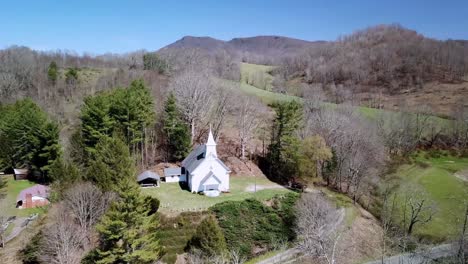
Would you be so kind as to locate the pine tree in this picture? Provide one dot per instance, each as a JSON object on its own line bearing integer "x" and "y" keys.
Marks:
{"x": 110, "y": 164}
{"x": 209, "y": 238}
{"x": 28, "y": 138}
{"x": 52, "y": 73}
{"x": 127, "y": 234}
{"x": 284, "y": 152}
{"x": 176, "y": 131}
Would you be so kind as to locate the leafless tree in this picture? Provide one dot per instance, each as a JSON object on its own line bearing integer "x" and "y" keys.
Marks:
{"x": 87, "y": 203}
{"x": 416, "y": 208}
{"x": 194, "y": 92}
{"x": 248, "y": 116}
{"x": 3, "y": 228}
{"x": 63, "y": 240}
{"x": 318, "y": 227}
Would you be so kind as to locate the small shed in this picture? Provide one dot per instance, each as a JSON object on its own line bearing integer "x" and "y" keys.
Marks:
{"x": 20, "y": 174}
{"x": 148, "y": 179}
{"x": 173, "y": 175}
{"x": 35, "y": 196}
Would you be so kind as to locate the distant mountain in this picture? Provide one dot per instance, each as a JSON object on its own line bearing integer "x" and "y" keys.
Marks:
{"x": 260, "y": 46}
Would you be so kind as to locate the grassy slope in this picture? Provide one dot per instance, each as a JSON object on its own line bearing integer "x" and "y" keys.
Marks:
{"x": 8, "y": 205}
{"x": 257, "y": 75}
{"x": 173, "y": 198}
{"x": 436, "y": 176}
{"x": 268, "y": 97}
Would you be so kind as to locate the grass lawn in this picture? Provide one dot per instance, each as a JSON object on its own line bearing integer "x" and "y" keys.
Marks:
{"x": 173, "y": 198}
{"x": 8, "y": 204}
{"x": 436, "y": 176}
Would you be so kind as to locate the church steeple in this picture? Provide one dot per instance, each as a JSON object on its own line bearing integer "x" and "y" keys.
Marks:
{"x": 210, "y": 145}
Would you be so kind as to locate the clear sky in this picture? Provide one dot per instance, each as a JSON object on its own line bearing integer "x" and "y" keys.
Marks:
{"x": 99, "y": 26}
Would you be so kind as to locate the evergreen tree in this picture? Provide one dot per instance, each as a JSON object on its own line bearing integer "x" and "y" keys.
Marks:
{"x": 176, "y": 131}
{"x": 71, "y": 76}
{"x": 284, "y": 152}
{"x": 209, "y": 238}
{"x": 110, "y": 164}
{"x": 28, "y": 138}
{"x": 52, "y": 73}
{"x": 127, "y": 111}
{"x": 127, "y": 234}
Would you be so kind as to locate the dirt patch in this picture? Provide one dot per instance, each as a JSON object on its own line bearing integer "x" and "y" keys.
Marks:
{"x": 362, "y": 240}
{"x": 242, "y": 168}
{"x": 462, "y": 175}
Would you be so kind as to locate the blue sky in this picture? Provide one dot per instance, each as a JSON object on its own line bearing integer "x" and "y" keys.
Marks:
{"x": 122, "y": 26}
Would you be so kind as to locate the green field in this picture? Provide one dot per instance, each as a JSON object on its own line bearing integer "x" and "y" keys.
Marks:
{"x": 436, "y": 175}
{"x": 8, "y": 204}
{"x": 257, "y": 75}
{"x": 175, "y": 199}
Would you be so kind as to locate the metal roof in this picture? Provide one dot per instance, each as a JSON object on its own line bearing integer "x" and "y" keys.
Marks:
{"x": 172, "y": 172}
{"x": 36, "y": 190}
{"x": 194, "y": 159}
{"x": 147, "y": 175}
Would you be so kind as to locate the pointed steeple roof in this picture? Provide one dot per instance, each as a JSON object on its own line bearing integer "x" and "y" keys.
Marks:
{"x": 211, "y": 141}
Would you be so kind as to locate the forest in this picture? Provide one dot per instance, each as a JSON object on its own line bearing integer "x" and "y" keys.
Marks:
{"x": 86, "y": 125}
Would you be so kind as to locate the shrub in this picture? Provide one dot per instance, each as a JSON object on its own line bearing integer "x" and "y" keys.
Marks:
{"x": 261, "y": 226}
{"x": 209, "y": 238}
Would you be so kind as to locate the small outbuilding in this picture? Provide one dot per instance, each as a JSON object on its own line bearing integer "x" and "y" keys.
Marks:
{"x": 173, "y": 175}
{"x": 35, "y": 196}
{"x": 20, "y": 174}
{"x": 148, "y": 179}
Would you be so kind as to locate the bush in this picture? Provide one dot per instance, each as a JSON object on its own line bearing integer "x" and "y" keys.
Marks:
{"x": 261, "y": 226}
{"x": 153, "y": 204}
{"x": 31, "y": 252}
{"x": 209, "y": 238}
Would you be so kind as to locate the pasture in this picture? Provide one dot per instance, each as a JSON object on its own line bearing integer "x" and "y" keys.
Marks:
{"x": 439, "y": 176}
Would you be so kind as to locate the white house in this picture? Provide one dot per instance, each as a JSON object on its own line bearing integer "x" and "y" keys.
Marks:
{"x": 203, "y": 170}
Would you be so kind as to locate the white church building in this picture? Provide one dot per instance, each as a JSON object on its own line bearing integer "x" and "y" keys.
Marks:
{"x": 203, "y": 170}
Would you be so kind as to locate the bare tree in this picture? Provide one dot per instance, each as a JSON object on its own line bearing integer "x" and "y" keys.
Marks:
{"x": 194, "y": 92}
{"x": 416, "y": 208}
{"x": 63, "y": 240}
{"x": 87, "y": 203}
{"x": 3, "y": 228}
{"x": 318, "y": 227}
{"x": 249, "y": 112}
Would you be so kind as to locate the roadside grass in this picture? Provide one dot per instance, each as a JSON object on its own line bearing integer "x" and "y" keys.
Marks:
{"x": 436, "y": 176}
{"x": 262, "y": 257}
{"x": 8, "y": 204}
{"x": 174, "y": 199}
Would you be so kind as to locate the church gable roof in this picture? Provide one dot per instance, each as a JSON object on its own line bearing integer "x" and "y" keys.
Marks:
{"x": 195, "y": 158}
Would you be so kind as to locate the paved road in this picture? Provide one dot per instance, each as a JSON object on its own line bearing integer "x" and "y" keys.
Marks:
{"x": 422, "y": 257}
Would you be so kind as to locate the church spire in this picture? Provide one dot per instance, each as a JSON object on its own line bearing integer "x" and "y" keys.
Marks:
{"x": 211, "y": 141}
{"x": 211, "y": 145}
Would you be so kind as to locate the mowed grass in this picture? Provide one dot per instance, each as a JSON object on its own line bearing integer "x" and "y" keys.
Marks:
{"x": 8, "y": 204}
{"x": 436, "y": 176}
{"x": 174, "y": 199}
